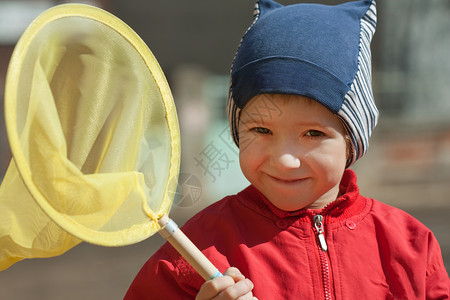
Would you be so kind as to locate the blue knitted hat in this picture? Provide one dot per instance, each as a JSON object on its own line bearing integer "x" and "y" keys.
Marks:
{"x": 317, "y": 51}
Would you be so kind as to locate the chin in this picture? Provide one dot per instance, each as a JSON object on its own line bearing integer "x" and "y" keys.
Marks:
{"x": 287, "y": 204}
{"x": 290, "y": 208}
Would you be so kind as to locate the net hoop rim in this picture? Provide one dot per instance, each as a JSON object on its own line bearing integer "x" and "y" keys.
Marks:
{"x": 130, "y": 235}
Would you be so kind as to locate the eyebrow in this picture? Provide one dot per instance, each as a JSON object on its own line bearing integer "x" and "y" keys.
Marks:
{"x": 313, "y": 124}
{"x": 262, "y": 122}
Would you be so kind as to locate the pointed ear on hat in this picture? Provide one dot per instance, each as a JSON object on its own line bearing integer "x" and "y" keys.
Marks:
{"x": 369, "y": 20}
{"x": 264, "y": 6}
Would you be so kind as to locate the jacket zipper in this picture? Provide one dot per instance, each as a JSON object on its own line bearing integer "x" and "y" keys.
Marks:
{"x": 323, "y": 257}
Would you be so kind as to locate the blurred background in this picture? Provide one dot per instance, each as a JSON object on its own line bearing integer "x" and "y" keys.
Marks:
{"x": 407, "y": 166}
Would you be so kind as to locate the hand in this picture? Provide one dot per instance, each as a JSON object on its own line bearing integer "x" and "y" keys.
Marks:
{"x": 232, "y": 285}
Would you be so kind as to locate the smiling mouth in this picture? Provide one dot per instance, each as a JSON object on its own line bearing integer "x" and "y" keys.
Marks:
{"x": 287, "y": 180}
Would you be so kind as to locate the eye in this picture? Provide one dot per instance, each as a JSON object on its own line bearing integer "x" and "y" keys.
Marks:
{"x": 261, "y": 130}
{"x": 314, "y": 133}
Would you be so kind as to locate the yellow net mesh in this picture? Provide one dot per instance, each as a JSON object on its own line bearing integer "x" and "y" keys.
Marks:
{"x": 94, "y": 136}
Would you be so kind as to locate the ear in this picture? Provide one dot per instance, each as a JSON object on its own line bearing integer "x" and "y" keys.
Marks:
{"x": 264, "y": 6}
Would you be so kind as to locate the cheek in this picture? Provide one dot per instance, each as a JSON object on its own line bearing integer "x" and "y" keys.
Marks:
{"x": 340, "y": 156}
{"x": 251, "y": 157}
{"x": 246, "y": 161}
{"x": 330, "y": 158}
{"x": 246, "y": 165}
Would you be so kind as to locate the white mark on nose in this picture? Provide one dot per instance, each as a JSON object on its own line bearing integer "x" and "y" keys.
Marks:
{"x": 289, "y": 161}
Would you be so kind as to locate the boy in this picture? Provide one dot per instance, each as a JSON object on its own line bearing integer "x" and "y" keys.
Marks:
{"x": 301, "y": 111}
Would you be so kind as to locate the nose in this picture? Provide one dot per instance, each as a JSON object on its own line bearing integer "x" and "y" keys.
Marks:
{"x": 285, "y": 155}
{"x": 289, "y": 161}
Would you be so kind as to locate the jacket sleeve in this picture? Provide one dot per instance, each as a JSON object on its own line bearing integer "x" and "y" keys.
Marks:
{"x": 437, "y": 280}
{"x": 166, "y": 275}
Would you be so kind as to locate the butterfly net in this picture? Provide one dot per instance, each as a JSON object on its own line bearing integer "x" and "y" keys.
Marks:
{"x": 94, "y": 136}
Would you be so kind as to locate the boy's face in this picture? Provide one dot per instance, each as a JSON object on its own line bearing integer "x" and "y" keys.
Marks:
{"x": 296, "y": 151}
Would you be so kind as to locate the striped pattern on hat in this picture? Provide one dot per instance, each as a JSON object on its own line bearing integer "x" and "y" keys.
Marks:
{"x": 359, "y": 112}
{"x": 351, "y": 100}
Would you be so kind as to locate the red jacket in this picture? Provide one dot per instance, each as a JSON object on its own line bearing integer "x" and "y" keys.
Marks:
{"x": 374, "y": 251}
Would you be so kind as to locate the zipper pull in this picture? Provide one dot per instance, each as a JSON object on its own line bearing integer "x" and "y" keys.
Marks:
{"x": 318, "y": 219}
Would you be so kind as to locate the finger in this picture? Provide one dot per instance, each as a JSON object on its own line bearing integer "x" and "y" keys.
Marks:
{"x": 248, "y": 296}
{"x": 240, "y": 289}
{"x": 214, "y": 287}
{"x": 235, "y": 274}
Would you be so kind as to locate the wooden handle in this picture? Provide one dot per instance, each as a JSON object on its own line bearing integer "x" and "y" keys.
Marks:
{"x": 187, "y": 249}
